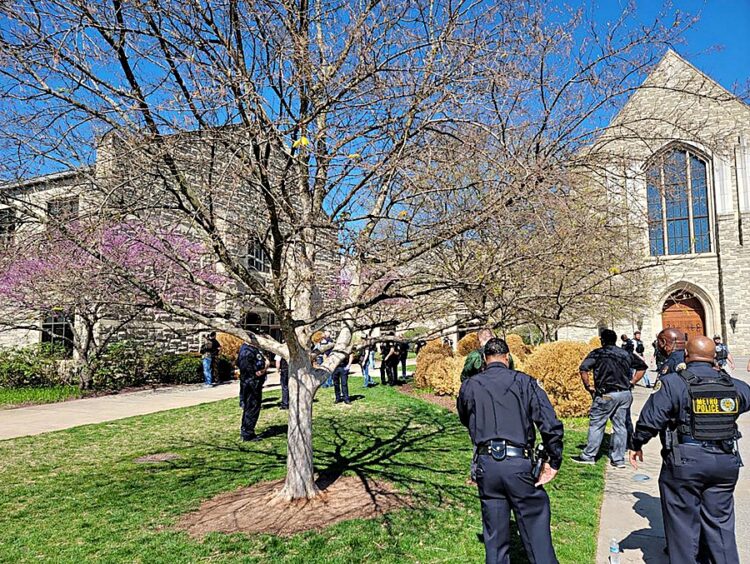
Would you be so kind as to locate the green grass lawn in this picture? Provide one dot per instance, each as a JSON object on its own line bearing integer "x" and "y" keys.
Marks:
{"x": 78, "y": 495}
{"x": 13, "y": 397}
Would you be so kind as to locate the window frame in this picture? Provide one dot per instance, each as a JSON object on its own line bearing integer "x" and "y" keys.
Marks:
{"x": 58, "y": 328}
{"x": 8, "y": 226}
{"x": 255, "y": 257}
{"x": 61, "y": 208}
{"x": 658, "y": 162}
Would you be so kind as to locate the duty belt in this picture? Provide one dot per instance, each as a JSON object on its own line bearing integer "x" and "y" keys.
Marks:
{"x": 510, "y": 450}
{"x": 688, "y": 440}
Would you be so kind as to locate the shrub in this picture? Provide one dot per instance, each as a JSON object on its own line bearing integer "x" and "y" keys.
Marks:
{"x": 33, "y": 366}
{"x": 595, "y": 342}
{"x": 468, "y": 344}
{"x": 230, "y": 345}
{"x": 436, "y": 346}
{"x": 123, "y": 364}
{"x": 555, "y": 365}
{"x": 441, "y": 374}
{"x": 518, "y": 348}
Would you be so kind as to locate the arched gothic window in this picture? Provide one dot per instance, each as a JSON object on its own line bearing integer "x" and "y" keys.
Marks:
{"x": 677, "y": 192}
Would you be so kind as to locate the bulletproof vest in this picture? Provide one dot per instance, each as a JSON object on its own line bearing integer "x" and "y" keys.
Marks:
{"x": 714, "y": 407}
{"x": 722, "y": 353}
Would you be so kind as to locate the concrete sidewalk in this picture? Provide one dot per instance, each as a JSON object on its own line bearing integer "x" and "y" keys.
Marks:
{"x": 38, "y": 419}
{"x": 631, "y": 511}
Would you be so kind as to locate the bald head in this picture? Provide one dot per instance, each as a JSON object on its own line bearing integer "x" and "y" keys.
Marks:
{"x": 670, "y": 340}
{"x": 484, "y": 335}
{"x": 700, "y": 349}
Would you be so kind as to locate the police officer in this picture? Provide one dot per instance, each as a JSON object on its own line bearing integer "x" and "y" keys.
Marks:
{"x": 611, "y": 397}
{"x": 671, "y": 343}
{"x": 501, "y": 408}
{"x": 695, "y": 412}
{"x": 627, "y": 343}
{"x": 723, "y": 356}
{"x": 253, "y": 365}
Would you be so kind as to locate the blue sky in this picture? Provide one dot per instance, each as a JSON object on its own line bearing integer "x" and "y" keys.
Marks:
{"x": 719, "y": 44}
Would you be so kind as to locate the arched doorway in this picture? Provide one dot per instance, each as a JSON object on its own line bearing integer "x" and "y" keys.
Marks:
{"x": 683, "y": 311}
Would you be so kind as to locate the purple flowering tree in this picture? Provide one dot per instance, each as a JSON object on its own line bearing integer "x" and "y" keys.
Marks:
{"x": 105, "y": 279}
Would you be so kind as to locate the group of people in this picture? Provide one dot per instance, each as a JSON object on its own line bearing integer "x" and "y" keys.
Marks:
{"x": 694, "y": 408}
{"x": 253, "y": 367}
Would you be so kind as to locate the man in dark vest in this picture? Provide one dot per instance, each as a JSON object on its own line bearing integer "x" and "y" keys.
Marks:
{"x": 694, "y": 411}
{"x": 253, "y": 365}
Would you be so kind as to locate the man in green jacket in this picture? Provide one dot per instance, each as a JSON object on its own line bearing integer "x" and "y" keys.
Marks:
{"x": 474, "y": 362}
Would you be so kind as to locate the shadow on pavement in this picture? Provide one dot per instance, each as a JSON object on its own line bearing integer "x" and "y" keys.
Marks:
{"x": 649, "y": 541}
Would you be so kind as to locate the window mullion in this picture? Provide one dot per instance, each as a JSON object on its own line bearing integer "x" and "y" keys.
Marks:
{"x": 689, "y": 189}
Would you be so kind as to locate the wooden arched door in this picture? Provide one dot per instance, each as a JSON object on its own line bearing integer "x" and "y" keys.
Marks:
{"x": 683, "y": 311}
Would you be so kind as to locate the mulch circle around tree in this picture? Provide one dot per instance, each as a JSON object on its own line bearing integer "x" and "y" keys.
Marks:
{"x": 158, "y": 457}
{"x": 258, "y": 509}
{"x": 448, "y": 402}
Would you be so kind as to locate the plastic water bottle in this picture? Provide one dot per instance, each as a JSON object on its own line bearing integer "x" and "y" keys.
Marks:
{"x": 614, "y": 552}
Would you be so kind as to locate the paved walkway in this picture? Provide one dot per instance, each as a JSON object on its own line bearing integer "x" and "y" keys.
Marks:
{"x": 38, "y": 419}
{"x": 631, "y": 511}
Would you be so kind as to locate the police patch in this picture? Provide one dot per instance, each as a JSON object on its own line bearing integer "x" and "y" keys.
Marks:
{"x": 714, "y": 406}
{"x": 728, "y": 405}
{"x": 657, "y": 386}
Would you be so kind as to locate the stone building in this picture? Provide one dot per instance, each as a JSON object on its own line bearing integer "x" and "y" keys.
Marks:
{"x": 127, "y": 180}
{"x": 678, "y": 155}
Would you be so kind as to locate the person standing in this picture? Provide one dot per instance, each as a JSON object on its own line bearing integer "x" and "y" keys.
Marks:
{"x": 502, "y": 409}
{"x": 403, "y": 356}
{"x": 341, "y": 380}
{"x": 474, "y": 362}
{"x": 363, "y": 358}
{"x": 723, "y": 356}
{"x": 385, "y": 346}
{"x": 611, "y": 397}
{"x": 210, "y": 353}
{"x": 671, "y": 343}
{"x": 658, "y": 357}
{"x": 695, "y": 410}
{"x": 627, "y": 343}
{"x": 282, "y": 367}
{"x": 253, "y": 366}
{"x": 391, "y": 362}
{"x": 640, "y": 350}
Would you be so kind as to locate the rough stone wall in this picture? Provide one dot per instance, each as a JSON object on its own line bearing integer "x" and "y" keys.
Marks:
{"x": 678, "y": 103}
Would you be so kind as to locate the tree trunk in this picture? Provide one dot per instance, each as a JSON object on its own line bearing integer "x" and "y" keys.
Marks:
{"x": 300, "y": 477}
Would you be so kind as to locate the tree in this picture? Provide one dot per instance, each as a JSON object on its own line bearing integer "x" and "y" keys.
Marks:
{"x": 325, "y": 137}
{"x": 51, "y": 274}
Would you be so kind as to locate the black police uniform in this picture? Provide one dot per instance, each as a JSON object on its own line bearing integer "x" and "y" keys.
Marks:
{"x": 698, "y": 476}
{"x": 672, "y": 362}
{"x": 385, "y": 346}
{"x": 250, "y": 360}
{"x": 501, "y": 408}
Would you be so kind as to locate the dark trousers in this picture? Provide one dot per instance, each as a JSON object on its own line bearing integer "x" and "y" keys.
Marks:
{"x": 504, "y": 486}
{"x": 341, "y": 384}
{"x": 392, "y": 372}
{"x": 284, "y": 379}
{"x": 403, "y": 367}
{"x": 252, "y": 395}
{"x": 697, "y": 500}
{"x": 383, "y": 365}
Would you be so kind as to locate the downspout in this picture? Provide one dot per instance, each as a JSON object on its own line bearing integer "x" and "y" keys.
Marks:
{"x": 719, "y": 270}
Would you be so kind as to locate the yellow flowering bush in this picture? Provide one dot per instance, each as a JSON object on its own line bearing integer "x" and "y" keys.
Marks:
{"x": 555, "y": 365}
{"x": 595, "y": 342}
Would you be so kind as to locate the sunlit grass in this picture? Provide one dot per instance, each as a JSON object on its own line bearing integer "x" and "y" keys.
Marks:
{"x": 78, "y": 495}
